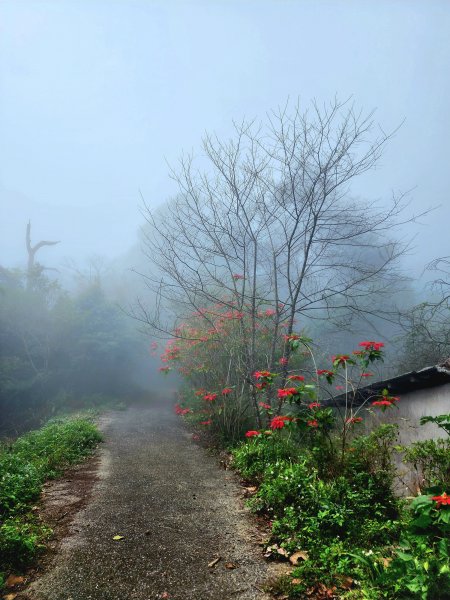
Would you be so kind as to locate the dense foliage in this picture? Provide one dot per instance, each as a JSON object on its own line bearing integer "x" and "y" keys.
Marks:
{"x": 24, "y": 467}
{"x": 60, "y": 351}
{"x": 323, "y": 479}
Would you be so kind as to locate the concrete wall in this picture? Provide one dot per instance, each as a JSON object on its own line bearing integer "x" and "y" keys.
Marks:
{"x": 411, "y": 407}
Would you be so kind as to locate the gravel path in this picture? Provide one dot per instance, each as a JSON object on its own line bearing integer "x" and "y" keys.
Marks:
{"x": 176, "y": 511}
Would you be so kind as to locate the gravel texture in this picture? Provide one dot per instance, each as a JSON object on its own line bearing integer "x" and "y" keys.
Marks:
{"x": 176, "y": 510}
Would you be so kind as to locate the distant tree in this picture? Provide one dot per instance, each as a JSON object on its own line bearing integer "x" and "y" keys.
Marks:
{"x": 34, "y": 269}
{"x": 427, "y": 325}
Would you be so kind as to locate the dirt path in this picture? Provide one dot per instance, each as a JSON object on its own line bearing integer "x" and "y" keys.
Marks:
{"x": 176, "y": 511}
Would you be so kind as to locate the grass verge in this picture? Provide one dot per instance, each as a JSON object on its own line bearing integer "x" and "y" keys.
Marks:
{"x": 25, "y": 465}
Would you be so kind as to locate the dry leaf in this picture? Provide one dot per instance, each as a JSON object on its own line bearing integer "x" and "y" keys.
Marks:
{"x": 296, "y": 581}
{"x": 345, "y": 582}
{"x": 9, "y": 596}
{"x": 294, "y": 558}
{"x": 14, "y": 580}
{"x": 230, "y": 565}
{"x": 214, "y": 562}
{"x": 118, "y": 537}
{"x": 165, "y": 595}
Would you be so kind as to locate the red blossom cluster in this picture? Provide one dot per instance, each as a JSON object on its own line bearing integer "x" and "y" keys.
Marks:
{"x": 181, "y": 411}
{"x": 443, "y": 500}
{"x": 353, "y": 420}
{"x": 208, "y": 422}
{"x": 313, "y": 423}
{"x": 279, "y": 422}
{"x": 340, "y": 359}
{"x": 296, "y": 378}
{"x": 313, "y": 405}
{"x": 283, "y": 361}
{"x": 210, "y": 397}
{"x": 252, "y": 433}
{"x": 264, "y": 405}
{"x": 262, "y": 374}
{"x": 371, "y": 346}
{"x": 287, "y": 392}
{"x": 227, "y": 391}
{"x": 386, "y": 401}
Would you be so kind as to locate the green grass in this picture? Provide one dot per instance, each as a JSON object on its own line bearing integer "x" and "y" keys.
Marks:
{"x": 25, "y": 465}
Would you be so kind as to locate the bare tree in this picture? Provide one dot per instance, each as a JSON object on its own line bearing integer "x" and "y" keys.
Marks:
{"x": 269, "y": 222}
{"x": 427, "y": 325}
{"x": 33, "y": 268}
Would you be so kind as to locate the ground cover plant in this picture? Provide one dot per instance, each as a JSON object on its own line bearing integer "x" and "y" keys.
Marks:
{"x": 24, "y": 467}
{"x": 324, "y": 480}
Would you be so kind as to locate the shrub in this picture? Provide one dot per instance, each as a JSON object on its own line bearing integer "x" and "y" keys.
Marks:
{"x": 252, "y": 458}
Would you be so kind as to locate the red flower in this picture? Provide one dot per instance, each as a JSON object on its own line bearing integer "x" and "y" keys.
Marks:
{"x": 262, "y": 374}
{"x": 287, "y": 392}
{"x": 313, "y": 423}
{"x": 269, "y": 312}
{"x": 260, "y": 386}
{"x": 291, "y": 337}
{"x": 339, "y": 387}
{"x": 296, "y": 378}
{"x": 252, "y": 433}
{"x": 381, "y": 403}
{"x": 314, "y": 405}
{"x": 200, "y": 392}
{"x": 352, "y": 420}
{"x": 366, "y": 374}
{"x": 210, "y": 397}
{"x": 227, "y": 391}
{"x": 237, "y": 276}
{"x": 283, "y": 361}
{"x": 443, "y": 500}
{"x": 279, "y": 422}
{"x": 371, "y": 346}
{"x": 208, "y": 422}
{"x": 325, "y": 372}
{"x": 340, "y": 359}
{"x": 264, "y": 405}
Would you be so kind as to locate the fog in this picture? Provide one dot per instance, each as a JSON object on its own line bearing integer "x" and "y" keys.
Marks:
{"x": 98, "y": 99}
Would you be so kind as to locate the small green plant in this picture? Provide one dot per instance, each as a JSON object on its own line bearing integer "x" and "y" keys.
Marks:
{"x": 24, "y": 467}
{"x": 252, "y": 458}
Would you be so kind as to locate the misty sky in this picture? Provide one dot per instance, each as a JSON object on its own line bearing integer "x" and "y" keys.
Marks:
{"x": 96, "y": 96}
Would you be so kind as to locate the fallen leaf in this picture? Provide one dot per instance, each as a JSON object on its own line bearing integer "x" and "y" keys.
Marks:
{"x": 9, "y": 596}
{"x": 296, "y": 581}
{"x": 14, "y": 580}
{"x": 118, "y": 537}
{"x": 214, "y": 562}
{"x": 294, "y": 558}
{"x": 230, "y": 565}
{"x": 165, "y": 595}
{"x": 345, "y": 582}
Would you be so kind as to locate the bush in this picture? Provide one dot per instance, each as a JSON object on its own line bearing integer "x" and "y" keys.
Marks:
{"x": 252, "y": 458}
{"x": 431, "y": 460}
{"x": 24, "y": 467}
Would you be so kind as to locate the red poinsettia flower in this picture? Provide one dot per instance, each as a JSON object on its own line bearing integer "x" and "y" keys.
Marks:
{"x": 340, "y": 359}
{"x": 314, "y": 405}
{"x": 291, "y": 337}
{"x": 269, "y": 312}
{"x": 283, "y": 361}
{"x": 252, "y": 433}
{"x": 381, "y": 403}
{"x": 210, "y": 397}
{"x": 371, "y": 345}
{"x": 279, "y": 422}
{"x": 260, "y": 386}
{"x": 262, "y": 374}
{"x": 287, "y": 392}
{"x": 313, "y": 423}
{"x": 442, "y": 500}
{"x": 237, "y": 276}
{"x": 264, "y": 405}
{"x": 208, "y": 422}
{"x": 352, "y": 420}
{"x": 227, "y": 391}
{"x": 296, "y": 378}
